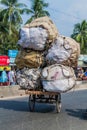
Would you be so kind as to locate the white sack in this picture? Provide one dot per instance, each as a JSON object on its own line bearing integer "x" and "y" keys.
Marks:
{"x": 63, "y": 49}
{"x": 34, "y": 38}
{"x": 24, "y": 35}
{"x": 28, "y": 78}
{"x": 46, "y": 23}
{"x": 58, "y": 78}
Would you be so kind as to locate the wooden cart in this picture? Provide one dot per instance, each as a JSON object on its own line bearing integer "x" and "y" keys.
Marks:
{"x": 43, "y": 97}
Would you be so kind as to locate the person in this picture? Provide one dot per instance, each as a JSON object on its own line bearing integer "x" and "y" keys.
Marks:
{"x": 11, "y": 76}
{"x": 85, "y": 75}
{"x": 4, "y": 77}
{"x": 80, "y": 73}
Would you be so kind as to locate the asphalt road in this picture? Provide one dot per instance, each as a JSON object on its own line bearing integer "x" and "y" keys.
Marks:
{"x": 14, "y": 114}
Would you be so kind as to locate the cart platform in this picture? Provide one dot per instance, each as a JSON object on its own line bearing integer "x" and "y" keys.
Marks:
{"x": 43, "y": 97}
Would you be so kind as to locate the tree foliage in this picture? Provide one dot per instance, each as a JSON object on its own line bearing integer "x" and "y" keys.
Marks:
{"x": 7, "y": 41}
{"x": 10, "y": 23}
{"x": 12, "y": 12}
{"x": 38, "y": 9}
{"x": 80, "y": 35}
{"x": 11, "y": 20}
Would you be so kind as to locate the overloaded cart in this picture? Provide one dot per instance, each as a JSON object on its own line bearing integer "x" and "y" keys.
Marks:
{"x": 46, "y": 85}
{"x": 46, "y": 59}
{"x": 43, "y": 97}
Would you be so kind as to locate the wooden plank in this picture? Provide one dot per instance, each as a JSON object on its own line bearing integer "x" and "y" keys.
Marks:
{"x": 41, "y": 92}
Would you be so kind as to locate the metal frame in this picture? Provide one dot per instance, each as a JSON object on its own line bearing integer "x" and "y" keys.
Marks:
{"x": 43, "y": 97}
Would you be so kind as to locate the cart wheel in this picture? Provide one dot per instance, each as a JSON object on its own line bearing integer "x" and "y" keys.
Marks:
{"x": 58, "y": 103}
{"x": 31, "y": 102}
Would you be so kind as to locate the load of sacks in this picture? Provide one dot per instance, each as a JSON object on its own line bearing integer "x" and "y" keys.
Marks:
{"x": 46, "y": 59}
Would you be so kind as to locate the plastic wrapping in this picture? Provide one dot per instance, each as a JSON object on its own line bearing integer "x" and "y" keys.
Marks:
{"x": 63, "y": 51}
{"x": 33, "y": 38}
{"x": 58, "y": 78}
{"x": 28, "y": 78}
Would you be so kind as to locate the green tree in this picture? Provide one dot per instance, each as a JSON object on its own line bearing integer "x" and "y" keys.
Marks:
{"x": 10, "y": 22}
{"x": 38, "y": 9}
{"x": 7, "y": 41}
{"x": 80, "y": 35}
{"x": 12, "y": 12}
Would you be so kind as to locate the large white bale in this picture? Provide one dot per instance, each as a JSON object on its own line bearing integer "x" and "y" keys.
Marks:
{"x": 28, "y": 78}
{"x": 47, "y": 24}
{"x": 58, "y": 78}
{"x": 38, "y": 34}
{"x": 64, "y": 51}
{"x": 33, "y": 38}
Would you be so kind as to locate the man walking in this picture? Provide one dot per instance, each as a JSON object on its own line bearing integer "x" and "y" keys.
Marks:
{"x": 11, "y": 77}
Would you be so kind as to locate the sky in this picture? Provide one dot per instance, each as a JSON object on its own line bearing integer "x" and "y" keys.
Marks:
{"x": 64, "y": 13}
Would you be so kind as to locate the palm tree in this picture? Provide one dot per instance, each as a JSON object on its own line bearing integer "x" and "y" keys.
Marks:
{"x": 7, "y": 41}
{"x": 12, "y": 12}
{"x": 80, "y": 35}
{"x": 10, "y": 22}
{"x": 38, "y": 9}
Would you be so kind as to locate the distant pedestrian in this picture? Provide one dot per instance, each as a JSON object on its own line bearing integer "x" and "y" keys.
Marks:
{"x": 80, "y": 73}
{"x": 85, "y": 75}
{"x": 11, "y": 76}
{"x": 4, "y": 77}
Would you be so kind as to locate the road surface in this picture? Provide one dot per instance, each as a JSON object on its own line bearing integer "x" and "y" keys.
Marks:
{"x": 14, "y": 114}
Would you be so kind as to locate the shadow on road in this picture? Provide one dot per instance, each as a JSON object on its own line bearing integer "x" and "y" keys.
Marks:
{"x": 14, "y": 105}
{"x": 23, "y": 106}
{"x": 79, "y": 113}
{"x": 44, "y": 108}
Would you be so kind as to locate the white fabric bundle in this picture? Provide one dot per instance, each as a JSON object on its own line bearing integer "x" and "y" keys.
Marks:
{"x": 28, "y": 78}
{"x": 42, "y": 46}
{"x": 58, "y": 78}
{"x": 46, "y": 23}
{"x": 64, "y": 49}
{"x": 33, "y": 38}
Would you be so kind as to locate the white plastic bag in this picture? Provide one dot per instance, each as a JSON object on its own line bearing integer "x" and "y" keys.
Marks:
{"x": 58, "y": 78}
{"x": 33, "y": 38}
{"x": 28, "y": 78}
{"x": 63, "y": 51}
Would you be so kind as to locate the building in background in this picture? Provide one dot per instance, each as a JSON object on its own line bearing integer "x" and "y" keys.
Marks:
{"x": 82, "y": 61}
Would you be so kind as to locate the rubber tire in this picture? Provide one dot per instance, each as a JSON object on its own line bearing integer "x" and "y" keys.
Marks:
{"x": 31, "y": 103}
{"x": 58, "y": 103}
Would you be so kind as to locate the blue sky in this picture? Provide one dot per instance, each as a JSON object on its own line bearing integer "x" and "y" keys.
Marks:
{"x": 65, "y": 13}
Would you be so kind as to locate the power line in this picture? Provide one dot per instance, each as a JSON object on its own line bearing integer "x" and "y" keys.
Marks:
{"x": 62, "y": 12}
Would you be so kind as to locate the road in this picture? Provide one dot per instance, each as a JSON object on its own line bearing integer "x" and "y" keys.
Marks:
{"x": 14, "y": 114}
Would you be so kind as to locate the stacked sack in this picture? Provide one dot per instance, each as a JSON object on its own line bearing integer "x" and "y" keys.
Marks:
{"x": 64, "y": 51}
{"x": 46, "y": 58}
{"x": 61, "y": 58}
{"x": 58, "y": 78}
{"x": 35, "y": 38}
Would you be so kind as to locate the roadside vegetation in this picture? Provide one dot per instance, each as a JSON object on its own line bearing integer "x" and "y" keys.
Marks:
{"x": 11, "y": 22}
{"x": 80, "y": 35}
